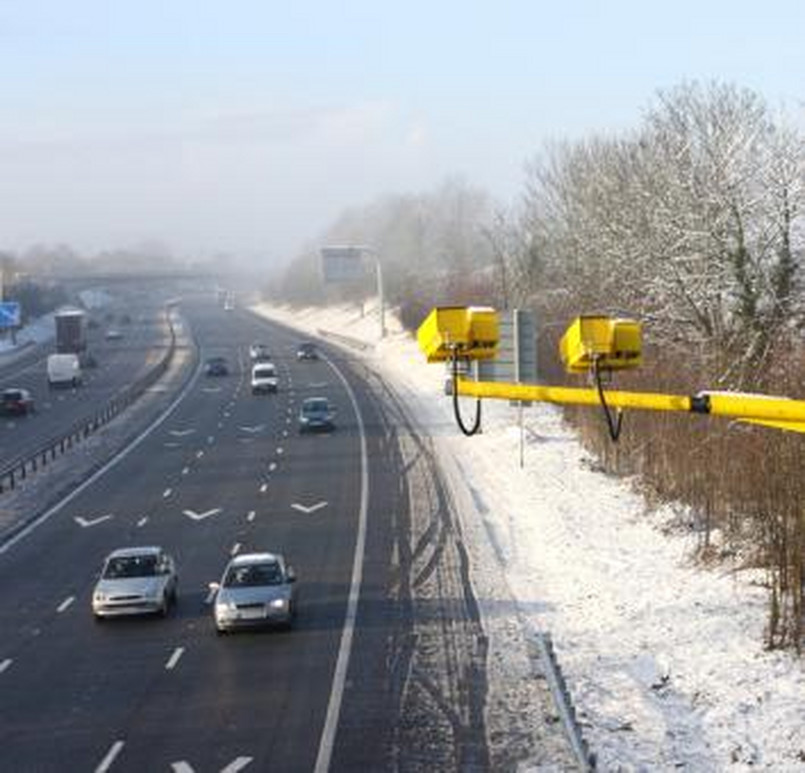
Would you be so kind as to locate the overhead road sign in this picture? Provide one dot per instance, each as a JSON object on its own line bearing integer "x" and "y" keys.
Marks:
{"x": 342, "y": 264}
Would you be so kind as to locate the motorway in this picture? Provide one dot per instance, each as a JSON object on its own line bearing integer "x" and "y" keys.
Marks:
{"x": 227, "y": 472}
{"x": 119, "y": 363}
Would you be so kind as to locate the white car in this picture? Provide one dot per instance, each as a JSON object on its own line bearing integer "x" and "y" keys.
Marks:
{"x": 257, "y": 589}
{"x": 135, "y": 581}
{"x": 264, "y": 378}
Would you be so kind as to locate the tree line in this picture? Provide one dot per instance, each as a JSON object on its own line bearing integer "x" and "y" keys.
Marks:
{"x": 692, "y": 222}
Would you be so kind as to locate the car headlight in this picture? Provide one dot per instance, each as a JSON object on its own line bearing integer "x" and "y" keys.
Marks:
{"x": 224, "y": 608}
{"x": 99, "y": 597}
{"x": 279, "y": 603}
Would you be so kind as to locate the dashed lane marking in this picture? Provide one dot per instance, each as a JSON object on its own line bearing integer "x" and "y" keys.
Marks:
{"x": 251, "y": 515}
{"x": 142, "y": 521}
{"x": 166, "y": 493}
{"x": 110, "y": 757}
{"x": 174, "y": 659}
{"x": 65, "y": 604}
{"x": 5, "y": 665}
{"x": 264, "y": 488}
{"x": 235, "y": 549}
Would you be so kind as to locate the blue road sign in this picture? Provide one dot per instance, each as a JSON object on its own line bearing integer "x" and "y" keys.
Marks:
{"x": 10, "y": 314}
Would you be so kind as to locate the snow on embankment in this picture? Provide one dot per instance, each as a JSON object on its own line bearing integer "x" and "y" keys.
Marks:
{"x": 664, "y": 660}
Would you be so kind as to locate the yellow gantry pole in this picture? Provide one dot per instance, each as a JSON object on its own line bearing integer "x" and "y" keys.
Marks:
{"x": 778, "y": 412}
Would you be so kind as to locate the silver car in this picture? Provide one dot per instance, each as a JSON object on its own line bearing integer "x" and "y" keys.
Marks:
{"x": 257, "y": 589}
{"x": 135, "y": 581}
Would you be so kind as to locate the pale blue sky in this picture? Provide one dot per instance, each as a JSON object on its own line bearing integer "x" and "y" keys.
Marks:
{"x": 247, "y": 126}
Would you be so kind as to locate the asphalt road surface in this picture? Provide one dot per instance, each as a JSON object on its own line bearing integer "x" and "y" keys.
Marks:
{"x": 360, "y": 683}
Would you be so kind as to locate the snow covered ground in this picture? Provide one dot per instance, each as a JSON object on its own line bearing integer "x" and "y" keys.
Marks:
{"x": 664, "y": 660}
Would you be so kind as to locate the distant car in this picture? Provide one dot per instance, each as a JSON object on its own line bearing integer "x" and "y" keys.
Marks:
{"x": 259, "y": 352}
{"x": 257, "y": 589}
{"x": 307, "y": 351}
{"x": 135, "y": 581}
{"x": 113, "y": 334}
{"x": 216, "y": 366}
{"x": 316, "y": 415}
{"x": 264, "y": 378}
{"x": 16, "y": 402}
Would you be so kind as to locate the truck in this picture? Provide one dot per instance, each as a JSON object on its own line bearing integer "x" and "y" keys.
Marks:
{"x": 71, "y": 331}
{"x": 64, "y": 370}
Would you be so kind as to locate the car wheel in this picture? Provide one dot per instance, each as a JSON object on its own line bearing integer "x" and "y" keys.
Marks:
{"x": 164, "y": 606}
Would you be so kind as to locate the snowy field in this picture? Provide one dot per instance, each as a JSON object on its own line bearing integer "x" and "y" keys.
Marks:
{"x": 664, "y": 660}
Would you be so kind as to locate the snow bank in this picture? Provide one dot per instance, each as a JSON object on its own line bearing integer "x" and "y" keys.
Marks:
{"x": 664, "y": 659}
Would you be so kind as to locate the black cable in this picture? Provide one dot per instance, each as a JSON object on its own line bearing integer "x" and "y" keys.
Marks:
{"x": 456, "y": 408}
{"x": 614, "y": 424}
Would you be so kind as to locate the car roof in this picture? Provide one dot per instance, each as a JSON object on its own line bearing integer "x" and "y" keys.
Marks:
{"x": 244, "y": 559}
{"x": 315, "y": 401}
{"x": 150, "y": 550}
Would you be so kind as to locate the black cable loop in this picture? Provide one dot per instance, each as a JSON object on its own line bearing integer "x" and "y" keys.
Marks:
{"x": 615, "y": 424}
{"x": 456, "y": 408}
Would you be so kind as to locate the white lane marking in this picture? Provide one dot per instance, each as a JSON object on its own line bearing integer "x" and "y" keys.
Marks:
{"x": 309, "y": 510}
{"x": 236, "y": 765}
{"x": 142, "y": 521}
{"x": 211, "y": 390}
{"x": 65, "y": 604}
{"x": 285, "y": 433}
{"x": 220, "y": 425}
{"x": 185, "y": 470}
{"x": 287, "y": 421}
{"x": 253, "y": 430}
{"x": 193, "y": 515}
{"x": 340, "y": 675}
{"x": 227, "y": 414}
{"x": 181, "y": 432}
{"x": 235, "y": 549}
{"x": 251, "y": 515}
{"x": 5, "y": 664}
{"x": 264, "y": 488}
{"x": 199, "y": 454}
{"x": 110, "y": 757}
{"x": 87, "y": 522}
{"x": 280, "y": 451}
{"x": 166, "y": 493}
{"x": 182, "y": 766}
{"x": 174, "y": 659}
{"x": 210, "y": 597}
{"x": 272, "y": 466}
{"x": 210, "y": 439}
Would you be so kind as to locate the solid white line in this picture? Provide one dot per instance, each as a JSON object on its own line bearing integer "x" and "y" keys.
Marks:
{"x": 250, "y": 516}
{"x": 107, "y": 761}
{"x": 235, "y": 549}
{"x": 142, "y": 521}
{"x": 174, "y": 659}
{"x": 166, "y": 493}
{"x": 340, "y": 676}
{"x": 5, "y": 664}
{"x": 23, "y": 533}
{"x": 65, "y": 604}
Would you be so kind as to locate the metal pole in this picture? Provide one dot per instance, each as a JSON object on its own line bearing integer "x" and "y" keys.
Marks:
{"x": 381, "y": 297}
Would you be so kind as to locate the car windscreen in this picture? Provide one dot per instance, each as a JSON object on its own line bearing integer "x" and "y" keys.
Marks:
{"x": 264, "y": 373}
{"x": 130, "y": 566}
{"x": 253, "y": 575}
{"x": 316, "y": 406}
{"x": 12, "y": 395}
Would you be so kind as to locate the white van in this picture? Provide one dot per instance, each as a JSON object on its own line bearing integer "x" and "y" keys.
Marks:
{"x": 264, "y": 378}
{"x": 64, "y": 370}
